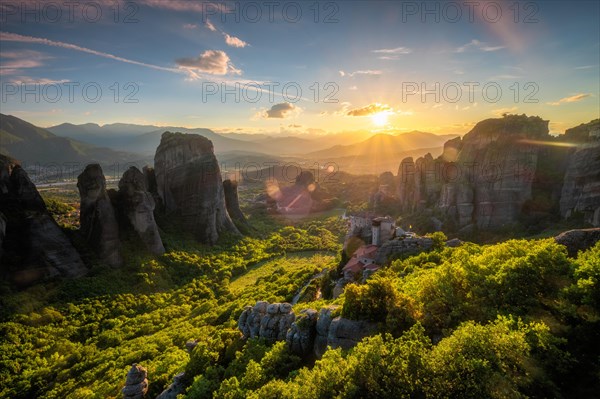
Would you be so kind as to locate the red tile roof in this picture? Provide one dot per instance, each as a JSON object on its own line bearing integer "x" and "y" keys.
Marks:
{"x": 366, "y": 251}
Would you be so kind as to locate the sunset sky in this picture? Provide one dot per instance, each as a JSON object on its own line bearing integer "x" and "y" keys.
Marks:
{"x": 372, "y": 57}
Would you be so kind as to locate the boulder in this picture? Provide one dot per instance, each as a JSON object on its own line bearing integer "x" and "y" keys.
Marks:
{"x": 189, "y": 184}
{"x": 98, "y": 220}
{"x": 454, "y": 242}
{"x": 136, "y": 384}
{"x": 34, "y": 246}
{"x": 578, "y": 240}
{"x": 137, "y": 206}
{"x": 176, "y": 388}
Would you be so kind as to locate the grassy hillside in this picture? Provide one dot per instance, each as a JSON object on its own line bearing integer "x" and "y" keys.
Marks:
{"x": 514, "y": 319}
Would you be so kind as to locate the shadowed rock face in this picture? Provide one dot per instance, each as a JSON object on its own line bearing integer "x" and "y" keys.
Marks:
{"x": 35, "y": 248}
{"x": 488, "y": 178}
{"x": 137, "y": 205}
{"x": 232, "y": 202}
{"x": 98, "y": 221}
{"x": 581, "y": 188}
{"x": 189, "y": 183}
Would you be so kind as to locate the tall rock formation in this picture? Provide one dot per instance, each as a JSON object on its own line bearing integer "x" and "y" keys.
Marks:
{"x": 189, "y": 183}
{"x": 34, "y": 246}
{"x": 136, "y": 385}
{"x": 136, "y": 205}
{"x": 233, "y": 204}
{"x": 581, "y": 187}
{"x": 98, "y": 221}
{"x": 503, "y": 171}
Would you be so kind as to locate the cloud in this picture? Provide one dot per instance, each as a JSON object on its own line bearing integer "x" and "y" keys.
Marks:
{"x": 11, "y": 62}
{"x": 210, "y": 26}
{"x": 214, "y": 62}
{"x": 353, "y": 88}
{"x": 369, "y": 110}
{"x": 280, "y": 111}
{"x": 572, "y": 99}
{"x": 234, "y": 41}
{"x": 500, "y": 111}
{"x": 26, "y": 80}
{"x": 586, "y": 67}
{"x": 477, "y": 45}
{"x": 364, "y": 72}
{"x": 397, "y": 50}
{"x": 190, "y": 26}
{"x": 14, "y": 37}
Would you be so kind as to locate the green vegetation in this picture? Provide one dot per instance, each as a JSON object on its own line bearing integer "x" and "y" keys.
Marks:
{"x": 509, "y": 320}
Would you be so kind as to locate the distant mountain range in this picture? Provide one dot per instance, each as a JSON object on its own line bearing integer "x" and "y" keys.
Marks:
{"x": 33, "y": 145}
{"x": 122, "y": 143}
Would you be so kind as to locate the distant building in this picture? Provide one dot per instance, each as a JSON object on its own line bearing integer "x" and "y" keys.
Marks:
{"x": 362, "y": 260}
{"x": 382, "y": 230}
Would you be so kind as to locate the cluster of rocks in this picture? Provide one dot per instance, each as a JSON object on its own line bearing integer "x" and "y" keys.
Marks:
{"x": 269, "y": 321}
{"x": 499, "y": 172}
{"x": 35, "y": 247}
{"x": 105, "y": 214}
{"x": 186, "y": 182}
{"x": 308, "y": 334}
{"x": 136, "y": 384}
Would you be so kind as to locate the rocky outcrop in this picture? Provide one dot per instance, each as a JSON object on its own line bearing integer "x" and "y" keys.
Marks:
{"x": 322, "y": 330}
{"x": 503, "y": 171}
{"x": 309, "y": 334}
{"x": 98, "y": 220}
{"x": 300, "y": 337}
{"x": 578, "y": 240}
{"x": 34, "y": 246}
{"x": 403, "y": 246}
{"x": 345, "y": 333}
{"x": 136, "y": 384}
{"x": 136, "y": 204}
{"x": 177, "y": 387}
{"x": 268, "y": 321}
{"x": 189, "y": 183}
{"x": 230, "y": 188}
{"x": 581, "y": 187}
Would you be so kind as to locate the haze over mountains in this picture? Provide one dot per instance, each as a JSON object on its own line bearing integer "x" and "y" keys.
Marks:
{"x": 354, "y": 152}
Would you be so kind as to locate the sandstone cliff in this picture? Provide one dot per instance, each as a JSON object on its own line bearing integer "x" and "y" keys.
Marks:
{"x": 581, "y": 188}
{"x": 189, "y": 184}
{"x": 506, "y": 170}
{"x": 34, "y": 246}
{"x": 233, "y": 204}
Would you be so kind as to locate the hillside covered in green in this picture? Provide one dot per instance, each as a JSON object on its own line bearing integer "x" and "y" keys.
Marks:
{"x": 509, "y": 320}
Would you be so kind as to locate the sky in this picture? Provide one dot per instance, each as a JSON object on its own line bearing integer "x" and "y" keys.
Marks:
{"x": 300, "y": 68}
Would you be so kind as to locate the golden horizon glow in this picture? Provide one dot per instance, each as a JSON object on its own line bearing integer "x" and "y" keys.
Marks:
{"x": 380, "y": 119}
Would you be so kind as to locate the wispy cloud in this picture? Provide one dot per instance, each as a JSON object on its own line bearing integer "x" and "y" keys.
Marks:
{"x": 214, "y": 62}
{"x": 370, "y": 109}
{"x": 571, "y": 99}
{"x": 586, "y": 67}
{"x": 14, "y": 37}
{"x": 477, "y": 45}
{"x": 209, "y": 25}
{"x": 190, "y": 26}
{"x": 234, "y": 41}
{"x": 364, "y": 72}
{"x": 13, "y": 62}
{"x": 397, "y": 50}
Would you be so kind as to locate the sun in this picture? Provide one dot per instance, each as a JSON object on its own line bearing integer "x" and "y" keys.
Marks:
{"x": 380, "y": 118}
